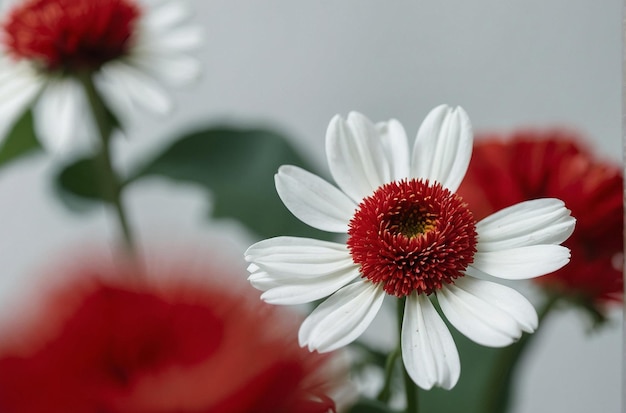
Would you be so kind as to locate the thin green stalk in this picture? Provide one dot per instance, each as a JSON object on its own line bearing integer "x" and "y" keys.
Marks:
{"x": 385, "y": 393}
{"x": 499, "y": 388}
{"x": 110, "y": 184}
{"x": 410, "y": 389}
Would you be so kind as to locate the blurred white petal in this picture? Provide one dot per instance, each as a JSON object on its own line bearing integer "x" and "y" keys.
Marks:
{"x": 140, "y": 88}
{"x": 19, "y": 86}
{"x": 63, "y": 120}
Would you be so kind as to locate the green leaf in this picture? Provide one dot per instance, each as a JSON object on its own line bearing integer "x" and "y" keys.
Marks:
{"x": 237, "y": 167}
{"x": 370, "y": 406}
{"x": 81, "y": 179}
{"x": 20, "y": 141}
{"x": 80, "y": 184}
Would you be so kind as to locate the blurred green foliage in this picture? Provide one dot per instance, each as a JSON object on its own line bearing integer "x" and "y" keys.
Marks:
{"x": 20, "y": 140}
{"x": 235, "y": 166}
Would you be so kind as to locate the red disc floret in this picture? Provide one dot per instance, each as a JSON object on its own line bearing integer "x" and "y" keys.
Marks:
{"x": 411, "y": 235}
{"x": 70, "y": 35}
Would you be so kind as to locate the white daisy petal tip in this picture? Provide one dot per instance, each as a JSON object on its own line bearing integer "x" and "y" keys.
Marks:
{"x": 357, "y": 158}
{"x": 300, "y": 290}
{"x": 257, "y": 285}
{"x": 268, "y": 298}
{"x": 305, "y": 341}
{"x": 396, "y": 148}
{"x": 444, "y": 111}
{"x": 522, "y": 262}
{"x": 283, "y": 170}
{"x": 523, "y": 225}
{"x": 302, "y": 341}
{"x": 443, "y": 147}
{"x": 336, "y": 122}
{"x": 531, "y": 324}
{"x": 355, "y": 118}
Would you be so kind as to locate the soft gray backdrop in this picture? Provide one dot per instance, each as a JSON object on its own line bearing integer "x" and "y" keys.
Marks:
{"x": 294, "y": 64}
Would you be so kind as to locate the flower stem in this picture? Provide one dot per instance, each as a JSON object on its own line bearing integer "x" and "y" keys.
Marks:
{"x": 410, "y": 389}
{"x": 499, "y": 387}
{"x": 110, "y": 184}
{"x": 385, "y": 393}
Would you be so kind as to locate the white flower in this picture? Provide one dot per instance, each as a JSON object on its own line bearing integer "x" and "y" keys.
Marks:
{"x": 410, "y": 236}
{"x": 130, "y": 47}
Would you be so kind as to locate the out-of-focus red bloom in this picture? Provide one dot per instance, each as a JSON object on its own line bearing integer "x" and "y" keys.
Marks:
{"x": 70, "y": 34}
{"x": 164, "y": 343}
{"x": 531, "y": 164}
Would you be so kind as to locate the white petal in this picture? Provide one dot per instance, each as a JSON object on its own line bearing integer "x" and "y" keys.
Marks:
{"x": 14, "y": 76}
{"x": 540, "y": 221}
{"x": 476, "y": 273}
{"x": 174, "y": 69}
{"x": 19, "y": 85}
{"x": 316, "y": 249}
{"x": 396, "y": 148}
{"x": 164, "y": 30}
{"x": 114, "y": 94}
{"x": 285, "y": 256}
{"x": 300, "y": 290}
{"x": 182, "y": 39}
{"x": 488, "y": 313}
{"x": 523, "y": 262}
{"x": 313, "y": 200}
{"x": 63, "y": 121}
{"x": 443, "y": 147}
{"x": 428, "y": 350}
{"x": 298, "y": 270}
{"x": 262, "y": 280}
{"x": 166, "y": 15}
{"x": 342, "y": 318}
{"x": 139, "y": 88}
{"x": 355, "y": 155}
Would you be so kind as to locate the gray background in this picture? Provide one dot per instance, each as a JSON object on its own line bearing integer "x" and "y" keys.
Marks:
{"x": 294, "y": 64}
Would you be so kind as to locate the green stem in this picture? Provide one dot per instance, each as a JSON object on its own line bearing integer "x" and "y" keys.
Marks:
{"x": 499, "y": 389}
{"x": 110, "y": 184}
{"x": 385, "y": 393}
{"x": 410, "y": 389}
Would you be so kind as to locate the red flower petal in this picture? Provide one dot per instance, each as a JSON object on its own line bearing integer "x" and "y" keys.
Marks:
{"x": 508, "y": 169}
{"x": 70, "y": 34}
{"x": 107, "y": 345}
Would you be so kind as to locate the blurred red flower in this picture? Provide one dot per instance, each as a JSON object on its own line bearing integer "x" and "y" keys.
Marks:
{"x": 555, "y": 163}
{"x": 164, "y": 343}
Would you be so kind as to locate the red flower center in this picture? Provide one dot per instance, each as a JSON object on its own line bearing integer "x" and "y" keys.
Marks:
{"x": 70, "y": 34}
{"x": 412, "y": 236}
